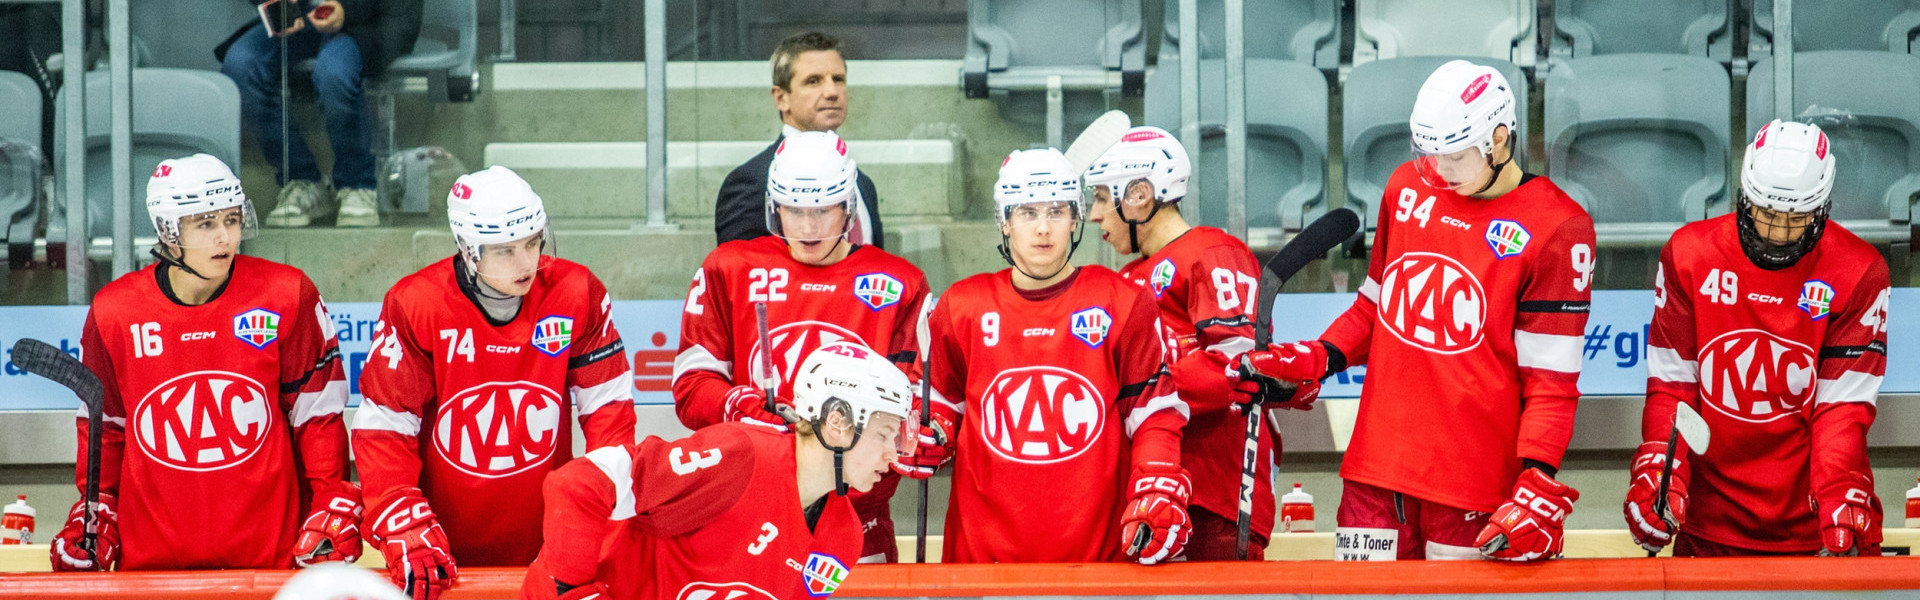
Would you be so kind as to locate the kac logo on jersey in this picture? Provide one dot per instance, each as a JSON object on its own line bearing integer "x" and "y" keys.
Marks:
{"x": 1091, "y": 325}
{"x": 1755, "y": 376}
{"x": 1430, "y": 301}
{"x": 553, "y": 335}
{"x": 1040, "y": 415}
{"x": 1162, "y": 277}
{"x": 792, "y": 343}
{"x": 203, "y": 421}
{"x": 257, "y": 327}
{"x": 701, "y": 590}
{"x": 498, "y": 429}
{"x": 824, "y": 574}
{"x": 1815, "y": 298}
{"x": 878, "y": 290}
{"x": 1507, "y": 238}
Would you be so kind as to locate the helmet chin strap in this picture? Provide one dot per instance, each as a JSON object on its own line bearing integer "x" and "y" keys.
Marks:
{"x": 1066, "y": 262}
{"x": 1497, "y": 170}
{"x": 839, "y": 452}
{"x": 1133, "y": 227}
{"x": 177, "y": 263}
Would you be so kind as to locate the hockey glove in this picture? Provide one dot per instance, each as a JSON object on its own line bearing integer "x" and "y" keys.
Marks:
{"x": 747, "y": 404}
{"x": 415, "y": 547}
{"x": 1654, "y": 531}
{"x": 68, "y": 555}
{"x": 1154, "y": 525}
{"x": 1532, "y": 525}
{"x": 332, "y": 529}
{"x": 1846, "y": 515}
{"x": 936, "y": 449}
{"x": 1253, "y": 388}
{"x": 1295, "y": 362}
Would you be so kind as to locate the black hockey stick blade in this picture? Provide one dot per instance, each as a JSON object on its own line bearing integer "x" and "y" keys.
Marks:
{"x": 1321, "y": 235}
{"x": 40, "y": 358}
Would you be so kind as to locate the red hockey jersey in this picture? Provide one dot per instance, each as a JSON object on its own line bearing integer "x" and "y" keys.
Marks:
{"x": 220, "y": 419}
{"x": 1473, "y": 310}
{"x": 714, "y": 515}
{"x": 1784, "y": 366}
{"x": 1207, "y": 284}
{"x": 475, "y": 413}
{"x": 870, "y": 297}
{"x": 1057, "y": 393}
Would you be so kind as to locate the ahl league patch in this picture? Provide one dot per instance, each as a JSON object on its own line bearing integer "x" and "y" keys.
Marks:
{"x": 1162, "y": 277}
{"x": 1091, "y": 325}
{"x": 824, "y": 574}
{"x": 257, "y": 327}
{"x": 878, "y": 290}
{"x": 1815, "y": 297}
{"x": 553, "y": 335}
{"x": 1507, "y": 238}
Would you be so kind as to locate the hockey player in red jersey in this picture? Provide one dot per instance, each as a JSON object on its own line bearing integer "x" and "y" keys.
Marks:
{"x": 1054, "y": 376}
{"x": 715, "y": 515}
{"x": 1772, "y": 322}
{"x": 818, "y": 288}
{"x": 223, "y": 394}
{"x": 1473, "y": 310}
{"x": 1205, "y": 283}
{"x": 467, "y": 384}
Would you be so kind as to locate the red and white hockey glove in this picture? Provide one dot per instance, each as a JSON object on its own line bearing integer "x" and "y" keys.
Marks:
{"x": 415, "y": 547}
{"x": 1531, "y": 525}
{"x": 1846, "y": 515}
{"x": 1654, "y": 531}
{"x": 936, "y": 449}
{"x": 1252, "y": 387}
{"x": 68, "y": 555}
{"x": 1154, "y": 525}
{"x": 1295, "y": 362}
{"x": 747, "y": 404}
{"x": 332, "y": 529}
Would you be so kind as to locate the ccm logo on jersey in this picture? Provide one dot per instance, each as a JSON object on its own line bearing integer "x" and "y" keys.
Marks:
{"x": 257, "y": 327}
{"x": 1431, "y": 302}
{"x": 1815, "y": 298}
{"x": 1755, "y": 376}
{"x": 197, "y": 335}
{"x": 498, "y": 429}
{"x": 1765, "y": 299}
{"x": 1090, "y": 325}
{"x": 1507, "y": 238}
{"x": 1162, "y": 277}
{"x": 1040, "y": 415}
{"x": 203, "y": 421}
{"x": 553, "y": 335}
{"x": 878, "y": 290}
{"x": 1037, "y": 332}
{"x": 701, "y": 590}
{"x": 818, "y": 287}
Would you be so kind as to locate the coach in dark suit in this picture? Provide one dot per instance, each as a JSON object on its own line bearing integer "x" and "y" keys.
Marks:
{"x": 810, "y": 91}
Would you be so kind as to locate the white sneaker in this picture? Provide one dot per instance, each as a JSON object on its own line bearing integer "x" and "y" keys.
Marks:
{"x": 301, "y": 202}
{"x": 357, "y": 208}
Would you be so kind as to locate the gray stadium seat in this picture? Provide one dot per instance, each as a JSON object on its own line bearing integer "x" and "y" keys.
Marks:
{"x": 1590, "y": 28}
{"x": 1014, "y": 43}
{"x": 176, "y": 112}
{"x": 1499, "y": 29}
{"x": 1307, "y": 31}
{"x": 1864, "y": 101}
{"x": 1286, "y": 140}
{"x": 446, "y": 52}
{"x": 22, "y": 163}
{"x": 1378, "y": 99}
{"x": 1640, "y": 140}
{"x": 1836, "y": 25}
{"x": 181, "y": 34}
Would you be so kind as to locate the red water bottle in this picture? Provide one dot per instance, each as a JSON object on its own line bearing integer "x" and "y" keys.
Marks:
{"x": 1296, "y": 511}
{"x": 16, "y": 524}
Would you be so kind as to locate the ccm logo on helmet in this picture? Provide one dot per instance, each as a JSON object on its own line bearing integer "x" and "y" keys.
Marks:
{"x": 1755, "y": 376}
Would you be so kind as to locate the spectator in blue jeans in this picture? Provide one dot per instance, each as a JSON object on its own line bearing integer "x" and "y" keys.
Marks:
{"x": 350, "y": 41}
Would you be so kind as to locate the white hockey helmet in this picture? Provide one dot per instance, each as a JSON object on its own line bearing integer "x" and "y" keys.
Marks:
{"x": 858, "y": 382}
{"x": 193, "y": 185}
{"x": 1458, "y": 109}
{"x": 811, "y": 170}
{"x": 1034, "y": 177}
{"x": 495, "y": 206}
{"x": 338, "y": 581}
{"x": 1789, "y": 168}
{"x": 1148, "y": 153}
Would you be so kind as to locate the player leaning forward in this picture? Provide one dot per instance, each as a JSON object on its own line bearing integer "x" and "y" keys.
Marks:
{"x": 1473, "y": 309}
{"x": 1055, "y": 378}
{"x": 466, "y": 389}
{"x": 1771, "y": 322}
{"x": 223, "y": 394}
{"x": 736, "y": 510}
{"x": 818, "y": 288}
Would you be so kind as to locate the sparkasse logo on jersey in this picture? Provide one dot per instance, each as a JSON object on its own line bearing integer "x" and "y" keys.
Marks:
{"x": 1507, "y": 238}
{"x": 824, "y": 574}
{"x": 553, "y": 335}
{"x": 1091, "y": 325}
{"x": 203, "y": 421}
{"x": 1040, "y": 415}
{"x": 1755, "y": 376}
{"x": 701, "y": 590}
{"x": 1815, "y": 298}
{"x": 1432, "y": 302}
{"x": 498, "y": 429}
{"x": 878, "y": 290}
{"x": 1162, "y": 277}
{"x": 257, "y": 327}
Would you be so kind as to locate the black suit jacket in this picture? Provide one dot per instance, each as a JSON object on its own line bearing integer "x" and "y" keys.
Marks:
{"x": 740, "y": 213}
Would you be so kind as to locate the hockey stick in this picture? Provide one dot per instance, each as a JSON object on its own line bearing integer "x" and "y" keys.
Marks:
{"x": 1096, "y": 139}
{"x": 763, "y": 375}
{"x": 1313, "y": 242}
{"x": 926, "y": 416}
{"x": 36, "y": 357}
{"x": 1687, "y": 425}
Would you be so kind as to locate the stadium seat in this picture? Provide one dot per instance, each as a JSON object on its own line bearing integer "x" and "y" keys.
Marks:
{"x": 1640, "y": 140}
{"x": 1861, "y": 25}
{"x": 1018, "y": 44}
{"x": 1864, "y": 101}
{"x": 22, "y": 163}
{"x": 1286, "y": 140}
{"x": 1499, "y": 29}
{"x": 1696, "y": 27}
{"x": 446, "y": 52}
{"x": 1378, "y": 97}
{"x": 181, "y": 34}
{"x": 176, "y": 112}
{"x": 1307, "y": 31}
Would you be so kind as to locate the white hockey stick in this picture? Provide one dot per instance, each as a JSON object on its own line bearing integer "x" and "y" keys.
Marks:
{"x": 1096, "y": 139}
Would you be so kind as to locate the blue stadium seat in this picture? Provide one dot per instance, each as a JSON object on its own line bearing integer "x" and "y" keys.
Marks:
{"x": 1286, "y": 140}
{"x": 1378, "y": 98}
{"x": 1696, "y": 27}
{"x": 22, "y": 164}
{"x": 1851, "y": 25}
{"x": 1299, "y": 30}
{"x": 181, "y": 34}
{"x": 447, "y": 51}
{"x": 1014, "y": 43}
{"x": 1498, "y": 29}
{"x": 1865, "y": 102}
{"x": 1640, "y": 140}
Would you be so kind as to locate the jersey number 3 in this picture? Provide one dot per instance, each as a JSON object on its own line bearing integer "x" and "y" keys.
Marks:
{"x": 685, "y": 463}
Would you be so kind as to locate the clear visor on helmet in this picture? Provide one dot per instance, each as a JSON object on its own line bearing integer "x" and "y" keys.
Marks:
{"x": 906, "y": 437}
{"x": 222, "y": 228}
{"x": 1138, "y": 192}
{"x": 510, "y": 260}
{"x": 1453, "y": 170}
{"x": 809, "y": 223}
{"x": 1031, "y": 214}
